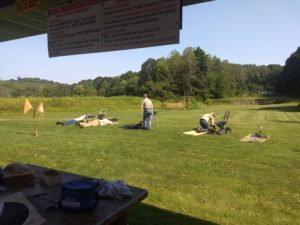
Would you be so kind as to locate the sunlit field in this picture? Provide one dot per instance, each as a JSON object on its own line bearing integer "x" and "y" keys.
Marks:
{"x": 191, "y": 180}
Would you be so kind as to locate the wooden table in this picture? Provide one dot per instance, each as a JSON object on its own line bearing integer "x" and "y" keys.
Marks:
{"x": 108, "y": 211}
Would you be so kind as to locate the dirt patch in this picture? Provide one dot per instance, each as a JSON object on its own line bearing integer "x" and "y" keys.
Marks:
{"x": 250, "y": 101}
{"x": 173, "y": 105}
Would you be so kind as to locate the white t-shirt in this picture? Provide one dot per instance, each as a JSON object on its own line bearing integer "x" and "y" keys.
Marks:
{"x": 105, "y": 121}
{"x": 209, "y": 118}
{"x": 80, "y": 118}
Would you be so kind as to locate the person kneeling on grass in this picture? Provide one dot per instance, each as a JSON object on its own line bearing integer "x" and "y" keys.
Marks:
{"x": 76, "y": 120}
{"x": 207, "y": 120}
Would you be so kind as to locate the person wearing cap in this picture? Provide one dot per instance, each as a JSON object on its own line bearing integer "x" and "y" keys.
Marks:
{"x": 147, "y": 108}
{"x": 207, "y": 120}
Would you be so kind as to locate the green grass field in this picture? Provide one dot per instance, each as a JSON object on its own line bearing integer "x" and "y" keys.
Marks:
{"x": 190, "y": 180}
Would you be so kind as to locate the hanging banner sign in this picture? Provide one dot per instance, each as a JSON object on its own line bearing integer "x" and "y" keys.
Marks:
{"x": 75, "y": 28}
{"x": 136, "y": 23}
{"x": 23, "y": 6}
{"x": 97, "y": 26}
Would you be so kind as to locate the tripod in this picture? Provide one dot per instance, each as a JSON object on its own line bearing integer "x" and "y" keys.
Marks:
{"x": 156, "y": 119}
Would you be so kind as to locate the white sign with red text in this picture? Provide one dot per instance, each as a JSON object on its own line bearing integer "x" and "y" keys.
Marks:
{"x": 99, "y": 25}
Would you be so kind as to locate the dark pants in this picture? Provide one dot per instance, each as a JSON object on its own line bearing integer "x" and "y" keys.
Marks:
{"x": 204, "y": 124}
{"x": 69, "y": 122}
{"x": 147, "y": 118}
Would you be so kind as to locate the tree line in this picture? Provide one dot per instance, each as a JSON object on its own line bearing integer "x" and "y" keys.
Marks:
{"x": 190, "y": 73}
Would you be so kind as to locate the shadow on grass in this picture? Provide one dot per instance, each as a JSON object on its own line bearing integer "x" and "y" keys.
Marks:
{"x": 150, "y": 215}
{"x": 137, "y": 126}
{"x": 284, "y": 121}
{"x": 294, "y": 108}
{"x": 26, "y": 133}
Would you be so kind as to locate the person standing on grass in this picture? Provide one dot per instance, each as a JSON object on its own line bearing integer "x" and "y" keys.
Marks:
{"x": 147, "y": 108}
{"x": 207, "y": 120}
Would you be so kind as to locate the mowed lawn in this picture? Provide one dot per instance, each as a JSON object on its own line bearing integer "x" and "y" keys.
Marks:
{"x": 190, "y": 180}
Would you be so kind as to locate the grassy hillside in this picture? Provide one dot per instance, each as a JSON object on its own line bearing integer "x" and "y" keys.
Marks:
{"x": 78, "y": 104}
{"x": 191, "y": 180}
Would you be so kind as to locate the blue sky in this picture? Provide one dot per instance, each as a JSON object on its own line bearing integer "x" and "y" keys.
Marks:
{"x": 257, "y": 32}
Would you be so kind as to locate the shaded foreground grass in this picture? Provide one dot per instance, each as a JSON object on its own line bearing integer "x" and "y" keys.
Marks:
{"x": 191, "y": 180}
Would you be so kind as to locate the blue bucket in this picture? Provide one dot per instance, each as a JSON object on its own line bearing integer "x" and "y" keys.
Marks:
{"x": 79, "y": 195}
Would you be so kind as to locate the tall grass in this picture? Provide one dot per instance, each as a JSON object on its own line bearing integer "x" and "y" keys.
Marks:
{"x": 84, "y": 104}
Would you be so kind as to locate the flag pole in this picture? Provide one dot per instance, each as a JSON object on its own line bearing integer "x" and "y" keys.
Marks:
{"x": 35, "y": 127}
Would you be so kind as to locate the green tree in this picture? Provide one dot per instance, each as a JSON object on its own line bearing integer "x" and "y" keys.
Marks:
{"x": 147, "y": 70}
{"x": 79, "y": 90}
{"x": 215, "y": 78}
{"x": 189, "y": 70}
{"x": 199, "y": 78}
{"x": 4, "y": 92}
{"x": 176, "y": 67}
{"x": 289, "y": 81}
{"x": 131, "y": 83}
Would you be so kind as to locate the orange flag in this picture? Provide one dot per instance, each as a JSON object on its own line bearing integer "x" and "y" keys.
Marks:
{"x": 27, "y": 106}
{"x": 40, "y": 108}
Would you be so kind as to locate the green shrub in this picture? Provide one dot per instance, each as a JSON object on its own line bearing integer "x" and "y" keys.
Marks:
{"x": 193, "y": 103}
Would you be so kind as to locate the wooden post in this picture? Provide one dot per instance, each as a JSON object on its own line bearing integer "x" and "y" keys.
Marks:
{"x": 35, "y": 127}
{"x": 184, "y": 102}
